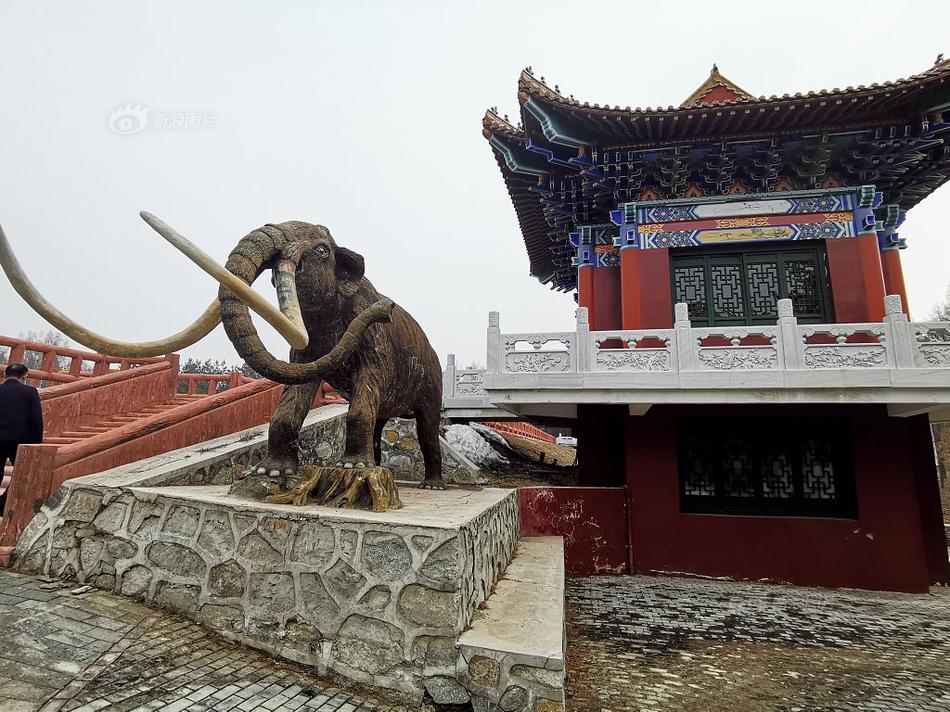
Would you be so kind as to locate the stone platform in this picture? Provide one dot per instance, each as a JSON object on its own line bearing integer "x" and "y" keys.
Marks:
{"x": 384, "y": 599}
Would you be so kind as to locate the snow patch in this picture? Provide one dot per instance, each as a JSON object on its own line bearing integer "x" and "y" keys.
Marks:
{"x": 472, "y": 444}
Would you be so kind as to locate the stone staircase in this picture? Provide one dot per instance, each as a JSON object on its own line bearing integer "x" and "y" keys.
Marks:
{"x": 110, "y": 422}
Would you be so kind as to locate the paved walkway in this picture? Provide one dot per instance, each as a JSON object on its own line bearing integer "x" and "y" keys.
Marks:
{"x": 92, "y": 651}
{"x": 639, "y": 643}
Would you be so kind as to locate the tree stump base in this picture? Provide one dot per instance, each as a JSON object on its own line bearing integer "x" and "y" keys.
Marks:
{"x": 371, "y": 488}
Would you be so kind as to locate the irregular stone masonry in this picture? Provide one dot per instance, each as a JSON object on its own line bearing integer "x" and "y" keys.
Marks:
{"x": 401, "y": 453}
{"x": 95, "y": 650}
{"x": 670, "y": 644}
{"x": 359, "y": 594}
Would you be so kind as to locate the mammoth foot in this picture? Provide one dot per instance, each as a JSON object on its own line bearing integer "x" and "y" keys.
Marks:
{"x": 432, "y": 484}
{"x": 370, "y": 488}
{"x": 271, "y": 476}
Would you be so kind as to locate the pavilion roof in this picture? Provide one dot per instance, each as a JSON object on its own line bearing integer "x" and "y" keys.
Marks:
{"x": 720, "y": 139}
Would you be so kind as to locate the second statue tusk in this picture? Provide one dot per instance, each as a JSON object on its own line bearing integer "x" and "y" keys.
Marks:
{"x": 287, "y": 320}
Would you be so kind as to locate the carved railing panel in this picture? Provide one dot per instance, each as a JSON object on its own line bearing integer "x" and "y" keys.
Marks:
{"x": 752, "y": 348}
{"x": 856, "y": 346}
{"x": 469, "y": 383}
{"x": 538, "y": 353}
{"x": 633, "y": 351}
{"x": 931, "y": 344}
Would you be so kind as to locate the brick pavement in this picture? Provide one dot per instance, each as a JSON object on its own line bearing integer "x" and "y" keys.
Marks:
{"x": 95, "y": 650}
{"x": 663, "y": 644}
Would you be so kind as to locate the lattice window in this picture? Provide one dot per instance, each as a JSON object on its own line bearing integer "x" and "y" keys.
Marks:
{"x": 689, "y": 285}
{"x": 727, "y": 291}
{"x": 803, "y": 287}
{"x": 742, "y": 287}
{"x": 743, "y": 467}
{"x": 764, "y": 288}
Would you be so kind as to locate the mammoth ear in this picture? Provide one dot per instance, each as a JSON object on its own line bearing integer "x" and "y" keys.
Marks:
{"x": 349, "y": 271}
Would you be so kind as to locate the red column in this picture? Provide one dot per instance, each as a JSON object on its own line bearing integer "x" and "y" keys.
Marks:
{"x": 585, "y": 291}
{"x": 630, "y": 288}
{"x": 894, "y": 275}
{"x": 598, "y": 289}
{"x": 857, "y": 279}
{"x": 646, "y": 292}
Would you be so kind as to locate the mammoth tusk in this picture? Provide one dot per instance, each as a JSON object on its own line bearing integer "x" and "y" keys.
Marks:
{"x": 295, "y": 334}
{"x": 196, "y": 331}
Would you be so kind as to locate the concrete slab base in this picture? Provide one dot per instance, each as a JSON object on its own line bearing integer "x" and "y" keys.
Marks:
{"x": 512, "y": 656}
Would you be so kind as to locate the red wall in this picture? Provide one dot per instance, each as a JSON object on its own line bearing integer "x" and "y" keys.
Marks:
{"x": 592, "y": 520}
{"x": 895, "y": 544}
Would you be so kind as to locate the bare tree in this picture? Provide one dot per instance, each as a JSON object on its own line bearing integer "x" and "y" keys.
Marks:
{"x": 941, "y": 310}
{"x": 34, "y": 359}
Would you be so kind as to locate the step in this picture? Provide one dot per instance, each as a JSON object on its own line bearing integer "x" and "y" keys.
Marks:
{"x": 517, "y": 637}
{"x": 60, "y": 440}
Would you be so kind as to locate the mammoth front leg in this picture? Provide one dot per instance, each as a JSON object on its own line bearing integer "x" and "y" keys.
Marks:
{"x": 361, "y": 425}
{"x": 295, "y": 403}
{"x": 275, "y": 472}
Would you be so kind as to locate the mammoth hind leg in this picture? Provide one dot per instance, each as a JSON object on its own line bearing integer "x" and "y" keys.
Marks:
{"x": 427, "y": 431}
{"x": 378, "y": 440}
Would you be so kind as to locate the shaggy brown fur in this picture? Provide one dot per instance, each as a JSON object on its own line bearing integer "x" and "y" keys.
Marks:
{"x": 392, "y": 371}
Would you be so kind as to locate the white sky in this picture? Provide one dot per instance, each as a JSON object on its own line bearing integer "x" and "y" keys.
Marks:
{"x": 365, "y": 117}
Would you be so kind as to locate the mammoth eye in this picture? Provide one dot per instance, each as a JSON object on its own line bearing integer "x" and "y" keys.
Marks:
{"x": 322, "y": 251}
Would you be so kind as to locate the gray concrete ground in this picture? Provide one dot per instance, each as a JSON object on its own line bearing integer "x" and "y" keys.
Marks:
{"x": 635, "y": 643}
{"x": 641, "y": 643}
{"x": 92, "y": 651}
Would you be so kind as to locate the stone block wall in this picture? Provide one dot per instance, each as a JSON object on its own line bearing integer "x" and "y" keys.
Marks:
{"x": 401, "y": 454}
{"x": 377, "y": 601}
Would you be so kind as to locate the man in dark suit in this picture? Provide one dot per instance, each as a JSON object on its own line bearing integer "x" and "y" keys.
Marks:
{"x": 21, "y": 416}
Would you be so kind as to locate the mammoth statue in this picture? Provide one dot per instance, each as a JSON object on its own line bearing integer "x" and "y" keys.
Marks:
{"x": 339, "y": 327}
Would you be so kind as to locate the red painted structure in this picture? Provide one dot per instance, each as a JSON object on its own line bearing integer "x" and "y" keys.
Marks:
{"x": 592, "y": 520}
{"x": 895, "y": 543}
{"x": 574, "y": 170}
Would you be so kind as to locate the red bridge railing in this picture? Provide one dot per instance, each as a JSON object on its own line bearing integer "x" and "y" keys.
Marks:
{"x": 523, "y": 430}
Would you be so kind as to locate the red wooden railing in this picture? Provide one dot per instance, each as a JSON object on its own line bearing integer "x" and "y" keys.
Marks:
{"x": 522, "y": 429}
{"x": 78, "y": 364}
{"x": 192, "y": 383}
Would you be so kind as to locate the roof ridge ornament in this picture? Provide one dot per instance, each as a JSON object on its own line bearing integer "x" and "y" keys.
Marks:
{"x": 716, "y": 81}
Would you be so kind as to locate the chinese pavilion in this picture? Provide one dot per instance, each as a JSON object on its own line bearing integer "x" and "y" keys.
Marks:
{"x": 743, "y": 364}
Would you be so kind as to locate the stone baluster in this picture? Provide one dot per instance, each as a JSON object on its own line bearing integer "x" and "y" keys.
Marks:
{"x": 790, "y": 346}
{"x": 899, "y": 339}
{"x": 448, "y": 377}
{"x": 494, "y": 358}
{"x": 682, "y": 345}
{"x": 582, "y": 347}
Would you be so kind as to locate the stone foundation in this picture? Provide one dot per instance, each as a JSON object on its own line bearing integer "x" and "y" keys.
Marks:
{"x": 380, "y": 598}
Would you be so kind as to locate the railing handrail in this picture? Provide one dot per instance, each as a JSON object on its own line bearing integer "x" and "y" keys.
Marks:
{"x": 73, "y": 452}
{"x": 786, "y": 345}
{"x": 105, "y": 379}
{"x": 69, "y": 352}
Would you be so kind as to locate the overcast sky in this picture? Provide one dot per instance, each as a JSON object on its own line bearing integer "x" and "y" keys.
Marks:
{"x": 365, "y": 117}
